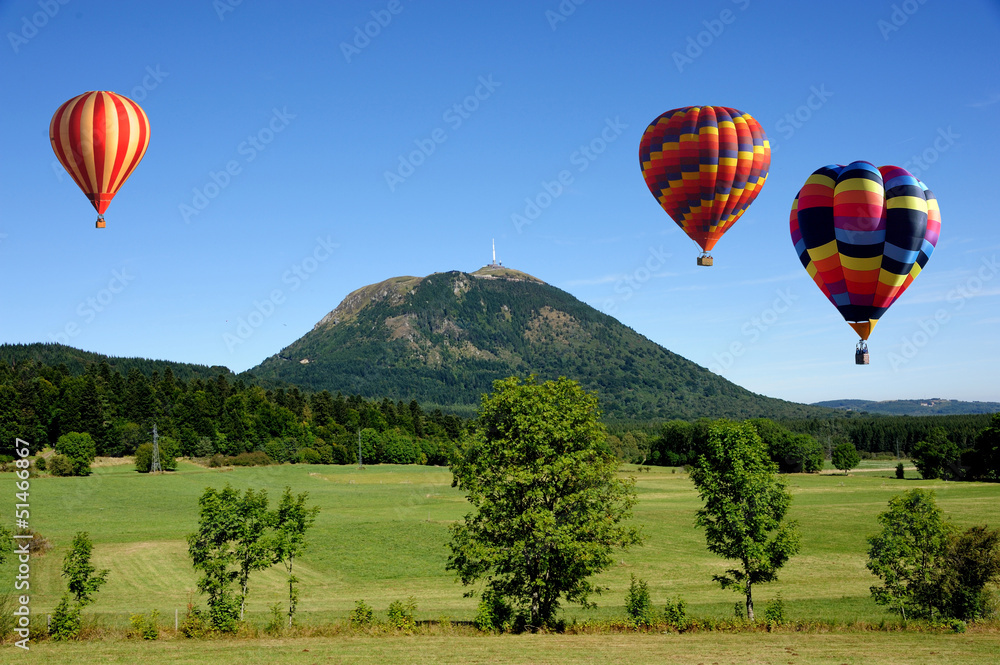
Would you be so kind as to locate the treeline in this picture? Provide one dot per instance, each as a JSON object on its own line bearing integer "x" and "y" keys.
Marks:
{"x": 679, "y": 442}
{"x": 638, "y": 441}
{"x": 201, "y": 418}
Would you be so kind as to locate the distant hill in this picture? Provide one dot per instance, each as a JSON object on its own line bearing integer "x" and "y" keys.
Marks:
{"x": 444, "y": 339}
{"x": 913, "y": 407}
{"x": 76, "y": 361}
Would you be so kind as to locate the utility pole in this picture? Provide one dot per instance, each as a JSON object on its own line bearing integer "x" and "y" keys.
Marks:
{"x": 155, "y": 465}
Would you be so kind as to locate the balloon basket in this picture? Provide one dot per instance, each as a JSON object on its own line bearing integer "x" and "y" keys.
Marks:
{"x": 100, "y": 222}
{"x": 705, "y": 260}
{"x": 861, "y": 354}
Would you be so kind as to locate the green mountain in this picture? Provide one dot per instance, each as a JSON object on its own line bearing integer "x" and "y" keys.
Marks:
{"x": 76, "y": 361}
{"x": 443, "y": 339}
{"x": 934, "y": 406}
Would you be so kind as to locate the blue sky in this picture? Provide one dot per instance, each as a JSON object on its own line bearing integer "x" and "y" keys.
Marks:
{"x": 294, "y": 158}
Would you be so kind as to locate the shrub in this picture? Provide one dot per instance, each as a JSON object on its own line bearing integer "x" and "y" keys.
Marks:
{"x": 675, "y": 614}
{"x": 900, "y": 473}
{"x": 637, "y": 605}
{"x": 145, "y": 627}
{"x": 774, "y": 613}
{"x": 401, "y": 614}
{"x": 80, "y": 449}
{"x": 310, "y": 456}
{"x": 194, "y": 624}
{"x": 60, "y": 465}
{"x": 65, "y": 620}
{"x": 168, "y": 456}
{"x": 37, "y": 544}
{"x": 40, "y": 463}
{"x": 256, "y": 458}
{"x": 217, "y": 460}
{"x": 276, "y": 624}
{"x": 362, "y": 615}
{"x": 493, "y": 614}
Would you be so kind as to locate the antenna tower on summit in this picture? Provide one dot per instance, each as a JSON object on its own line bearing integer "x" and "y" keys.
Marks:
{"x": 495, "y": 264}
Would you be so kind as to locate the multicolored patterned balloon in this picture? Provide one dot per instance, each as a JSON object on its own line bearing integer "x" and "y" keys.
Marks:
{"x": 863, "y": 233}
{"x": 99, "y": 137}
{"x": 705, "y": 165}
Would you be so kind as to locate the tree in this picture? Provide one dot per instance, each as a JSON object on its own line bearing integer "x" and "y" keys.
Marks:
{"x": 291, "y": 520}
{"x": 937, "y": 456}
{"x": 548, "y": 505}
{"x": 80, "y": 449}
{"x": 168, "y": 455}
{"x": 84, "y": 579}
{"x": 745, "y": 507}
{"x": 906, "y": 553}
{"x": 986, "y": 457}
{"x": 252, "y": 548}
{"x": 845, "y": 457}
{"x": 212, "y": 553}
{"x": 970, "y": 563}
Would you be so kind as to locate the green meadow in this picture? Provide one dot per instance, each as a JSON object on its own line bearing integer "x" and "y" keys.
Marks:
{"x": 382, "y": 532}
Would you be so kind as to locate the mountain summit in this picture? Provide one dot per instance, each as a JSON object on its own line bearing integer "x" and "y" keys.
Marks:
{"x": 444, "y": 338}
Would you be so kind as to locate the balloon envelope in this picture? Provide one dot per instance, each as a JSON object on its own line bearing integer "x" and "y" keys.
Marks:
{"x": 99, "y": 137}
{"x": 705, "y": 165}
{"x": 863, "y": 233}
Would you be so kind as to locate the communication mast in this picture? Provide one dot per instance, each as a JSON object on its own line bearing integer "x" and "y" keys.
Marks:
{"x": 155, "y": 467}
{"x": 495, "y": 264}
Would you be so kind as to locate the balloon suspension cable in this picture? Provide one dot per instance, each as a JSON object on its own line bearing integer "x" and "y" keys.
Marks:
{"x": 100, "y": 222}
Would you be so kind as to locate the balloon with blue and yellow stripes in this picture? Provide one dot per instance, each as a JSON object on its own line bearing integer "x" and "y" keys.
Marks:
{"x": 863, "y": 233}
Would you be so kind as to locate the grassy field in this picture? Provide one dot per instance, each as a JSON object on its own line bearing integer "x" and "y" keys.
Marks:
{"x": 381, "y": 536}
{"x": 636, "y": 649}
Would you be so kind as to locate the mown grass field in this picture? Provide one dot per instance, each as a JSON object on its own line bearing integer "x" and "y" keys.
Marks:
{"x": 381, "y": 536}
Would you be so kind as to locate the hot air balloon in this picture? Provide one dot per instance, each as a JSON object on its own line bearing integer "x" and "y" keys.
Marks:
{"x": 705, "y": 165}
{"x": 863, "y": 234}
{"x": 99, "y": 137}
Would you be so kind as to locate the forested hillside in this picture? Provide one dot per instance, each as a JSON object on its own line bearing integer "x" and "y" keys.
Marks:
{"x": 445, "y": 338}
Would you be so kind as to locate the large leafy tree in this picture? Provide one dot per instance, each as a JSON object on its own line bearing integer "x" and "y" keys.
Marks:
{"x": 908, "y": 551}
{"x": 80, "y": 449}
{"x": 937, "y": 456}
{"x": 745, "y": 508}
{"x": 291, "y": 520}
{"x": 213, "y": 553}
{"x": 251, "y": 540}
{"x": 84, "y": 579}
{"x": 845, "y": 457}
{"x": 548, "y": 507}
{"x": 970, "y": 563}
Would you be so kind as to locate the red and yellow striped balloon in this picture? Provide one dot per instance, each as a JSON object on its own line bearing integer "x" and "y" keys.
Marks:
{"x": 99, "y": 137}
{"x": 705, "y": 165}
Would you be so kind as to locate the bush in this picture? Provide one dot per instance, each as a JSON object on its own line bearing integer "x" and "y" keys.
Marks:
{"x": 194, "y": 624}
{"x": 60, "y": 465}
{"x": 401, "y": 614}
{"x": 276, "y": 624}
{"x": 145, "y": 627}
{"x": 80, "y": 449}
{"x": 774, "y": 613}
{"x": 310, "y": 456}
{"x": 493, "y": 614}
{"x": 256, "y": 458}
{"x": 637, "y": 605}
{"x": 168, "y": 456}
{"x": 362, "y": 615}
{"x": 675, "y": 614}
{"x": 40, "y": 463}
{"x": 65, "y": 620}
{"x": 37, "y": 544}
{"x": 900, "y": 473}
